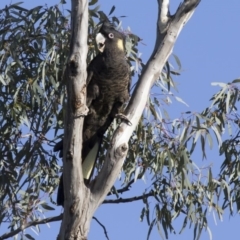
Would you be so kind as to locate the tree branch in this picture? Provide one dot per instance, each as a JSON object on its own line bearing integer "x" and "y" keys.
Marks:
{"x": 126, "y": 188}
{"x": 164, "y": 16}
{"x": 29, "y": 224}
{"x": 122, "y": 190}
{"x": 104, "y": 228}
{"x": 132, "y": 199}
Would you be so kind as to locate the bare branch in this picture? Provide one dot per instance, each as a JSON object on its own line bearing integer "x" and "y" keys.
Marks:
{"x": 124, "y": 189}
{"x": 104, "y": 228}
{"x": 30, "y": 224}
{"x": 132, "y": 199}
{"x": 164, "y": 15}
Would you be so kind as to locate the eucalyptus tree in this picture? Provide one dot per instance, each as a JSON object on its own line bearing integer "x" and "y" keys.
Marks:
{"x": 43, "y": 62}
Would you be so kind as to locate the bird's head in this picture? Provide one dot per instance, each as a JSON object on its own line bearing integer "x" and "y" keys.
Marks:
{"x": 108, "y": 35}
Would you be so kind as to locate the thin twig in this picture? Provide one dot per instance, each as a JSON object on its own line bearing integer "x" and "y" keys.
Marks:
{"x": 126, "y": 200}
{"x": 126, "y": 188}
{"x": 105, "y": 231}
{"x": 122, "y": 190}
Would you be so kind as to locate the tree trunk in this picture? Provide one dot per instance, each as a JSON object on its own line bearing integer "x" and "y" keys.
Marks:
{"x": 81, "y": 201}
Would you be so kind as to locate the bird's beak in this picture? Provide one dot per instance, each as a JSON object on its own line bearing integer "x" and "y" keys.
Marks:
{"x": 100, "y": 40}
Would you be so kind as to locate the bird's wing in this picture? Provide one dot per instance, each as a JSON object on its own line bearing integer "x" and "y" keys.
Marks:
{"x": 93, "y": 93}
{"x": 91, "y": 139}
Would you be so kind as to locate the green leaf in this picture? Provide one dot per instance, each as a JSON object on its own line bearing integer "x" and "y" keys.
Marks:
{"x": 151, "y": 227}
{"x": 159, "y": 229}
{"x": 47, "y": 207}
{"x": 177, "y": 61}
{"x": 228, "y": 101}
{"x": 2, "y": 80}
{"x": 112, "y": 10}
{"x": 236, "y": 80}
{"x": 92, "y": 2}
{"x": 28, "y": 236}
{"x": 184, "y": 224}
{"x": 209, "y": 138}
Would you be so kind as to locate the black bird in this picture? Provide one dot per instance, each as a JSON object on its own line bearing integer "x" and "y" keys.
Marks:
{"x": 108, "y": 86}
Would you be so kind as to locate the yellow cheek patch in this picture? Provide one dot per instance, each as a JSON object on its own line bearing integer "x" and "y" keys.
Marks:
{"x": 120, "y": 44}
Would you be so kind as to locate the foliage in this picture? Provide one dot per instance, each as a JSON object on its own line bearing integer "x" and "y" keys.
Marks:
{"x": 33, "y": 51}
{"x": 166, "y": 151}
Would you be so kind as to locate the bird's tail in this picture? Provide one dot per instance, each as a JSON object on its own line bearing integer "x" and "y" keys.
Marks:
{"x": 90, "y": 161}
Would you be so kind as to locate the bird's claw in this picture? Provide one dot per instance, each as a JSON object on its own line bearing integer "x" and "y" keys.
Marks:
{"x": 123, "y": 118}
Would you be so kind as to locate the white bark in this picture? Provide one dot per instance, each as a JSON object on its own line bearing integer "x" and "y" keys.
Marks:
{"x": 75, "y": 224}
{"x": 164, "y": 16}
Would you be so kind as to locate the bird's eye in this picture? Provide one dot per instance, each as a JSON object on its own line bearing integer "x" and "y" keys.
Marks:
{"x": 111, "y": 35}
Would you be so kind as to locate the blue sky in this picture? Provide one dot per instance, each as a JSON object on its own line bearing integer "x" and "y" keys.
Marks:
{"x": 209, "y": 50}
